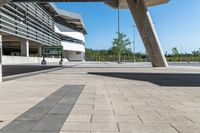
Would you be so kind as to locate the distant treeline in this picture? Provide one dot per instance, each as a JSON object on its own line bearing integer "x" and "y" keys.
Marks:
{"x": 110, "y": 55}
{"x": 128, "y": 56}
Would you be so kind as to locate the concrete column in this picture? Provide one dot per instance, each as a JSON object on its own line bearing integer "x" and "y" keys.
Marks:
{"x": 147, "y": 31}
{"x": 39, "y": 50}
{"x": 64, "y": 54}
{"x": 0, "y": 58}
{"x": 25, "y": 47}
{"x": 82, "y": 56}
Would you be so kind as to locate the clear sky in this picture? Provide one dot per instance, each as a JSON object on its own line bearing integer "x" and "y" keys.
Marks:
{"x": 177, "y": 24}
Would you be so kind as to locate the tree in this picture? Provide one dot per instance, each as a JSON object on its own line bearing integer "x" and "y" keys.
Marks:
{"x": 175, "y": 53}
{"x": 119, "y": 45}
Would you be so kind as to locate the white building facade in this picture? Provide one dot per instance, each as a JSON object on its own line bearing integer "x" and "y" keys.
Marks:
{"x": 72, "y": 39}
{"x": 26, "y": 28}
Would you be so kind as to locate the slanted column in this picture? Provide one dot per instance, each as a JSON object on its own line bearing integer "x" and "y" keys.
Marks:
{"x": 25, "y": 47}
{"x": 1, "y": 58}
{"x": 147, "y": 31}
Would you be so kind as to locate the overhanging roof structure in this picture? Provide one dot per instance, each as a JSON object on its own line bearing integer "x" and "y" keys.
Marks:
{"x": 73, "y": 19}
{"x": 112, "y": 3}
{"x": 123, "y": 3}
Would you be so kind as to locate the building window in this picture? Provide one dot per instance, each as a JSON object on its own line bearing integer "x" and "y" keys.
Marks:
{"x": 77, "y": 52}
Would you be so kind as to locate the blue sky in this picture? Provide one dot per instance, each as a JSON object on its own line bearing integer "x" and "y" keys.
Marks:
{"x": 177, "y": 24}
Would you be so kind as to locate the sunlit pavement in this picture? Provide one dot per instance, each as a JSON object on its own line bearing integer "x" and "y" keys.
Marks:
{"x": 94, "y": 97}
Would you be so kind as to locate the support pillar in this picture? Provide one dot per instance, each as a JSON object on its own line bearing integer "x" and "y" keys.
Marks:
{"x": 147, "y": 32}
{"x": 43, "y": 62}
{"x": 25, "y": 47}
{"x": 39, "y": 50}
{"x": 1, "y": 58}
{"x": 61, "y": 57}
{"x": 82, "y": 56}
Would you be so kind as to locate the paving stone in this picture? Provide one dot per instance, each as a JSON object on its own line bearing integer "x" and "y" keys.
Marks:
{"x": 47, "y": 103}
{"x": 68, "y": 100}
{"x": 34, "y": 114}
{"x": 46, "y": 116}
{"x": 110, "y": 102}
{"x": 72, "y": 132}
{"x": 51, "y": 122}
{"x": 7, "y": 116}
{"x": 114, "y": 119}
{"x": 79, "y": 118}
{"x": 18, "y": 127}
{"x": 43, "y": 132}
{"x": 146, "y": 128}
{"x": 61, "y": 109}
{"x": 85, "y": 127}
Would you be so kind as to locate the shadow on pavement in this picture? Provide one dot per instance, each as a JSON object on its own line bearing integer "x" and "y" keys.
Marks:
{"x": 12, "y": 72}
{"x": 162, "y": 79}
{"x": 9, "y": 70}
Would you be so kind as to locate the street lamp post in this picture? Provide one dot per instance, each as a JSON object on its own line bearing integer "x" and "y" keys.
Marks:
{"x": 134, "y": 27}
{"x": 118, "y": 23}
{"x": 118, "y": 17}
{"x": 181, "y": 58}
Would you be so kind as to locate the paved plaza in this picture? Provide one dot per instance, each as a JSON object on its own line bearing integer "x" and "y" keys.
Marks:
{"x": 102, "y": 97}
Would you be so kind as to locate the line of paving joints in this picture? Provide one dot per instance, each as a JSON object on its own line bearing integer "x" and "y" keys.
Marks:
{"x": 48, "y": 111}
{"x": 140, "y": 118}
{"x": 174, "y": 128}
{"x": 26, "y": 122}
{"x": 189, "y": 119}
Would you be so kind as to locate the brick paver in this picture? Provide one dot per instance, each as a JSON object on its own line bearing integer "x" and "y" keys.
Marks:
{"x": 133, "y": 100}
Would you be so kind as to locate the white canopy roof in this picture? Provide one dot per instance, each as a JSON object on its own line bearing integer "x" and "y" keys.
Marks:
{"x": 112, "y": 3}
{"x": 123, "y": 3}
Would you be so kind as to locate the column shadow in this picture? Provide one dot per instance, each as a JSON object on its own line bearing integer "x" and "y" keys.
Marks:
{"x": 161, "y": 79}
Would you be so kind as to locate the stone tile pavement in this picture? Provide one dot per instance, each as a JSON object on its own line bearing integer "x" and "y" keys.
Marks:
{"x": 113, "y": 104}
{"x": 48, "y": 115}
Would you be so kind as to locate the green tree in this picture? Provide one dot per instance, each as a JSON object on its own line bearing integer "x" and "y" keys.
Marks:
{"x": 119, "y": 45}
{"x": 175, "y": 53}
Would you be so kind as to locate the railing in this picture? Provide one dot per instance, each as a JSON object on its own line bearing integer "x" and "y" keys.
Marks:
{"x": 30, "y": 21}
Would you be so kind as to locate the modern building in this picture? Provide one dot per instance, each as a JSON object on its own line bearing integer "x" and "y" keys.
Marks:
{"x": 27, "y": 29}
{"x": 142, "y": 17}
{"x": 42, "y": 23}
{"x": 72, "y": 39}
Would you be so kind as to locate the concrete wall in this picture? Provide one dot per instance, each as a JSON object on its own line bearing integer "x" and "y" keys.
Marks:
{"x": 72, "y": 56}
{"x": 8, "y": 60}
{"x": 72, "y": 47}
